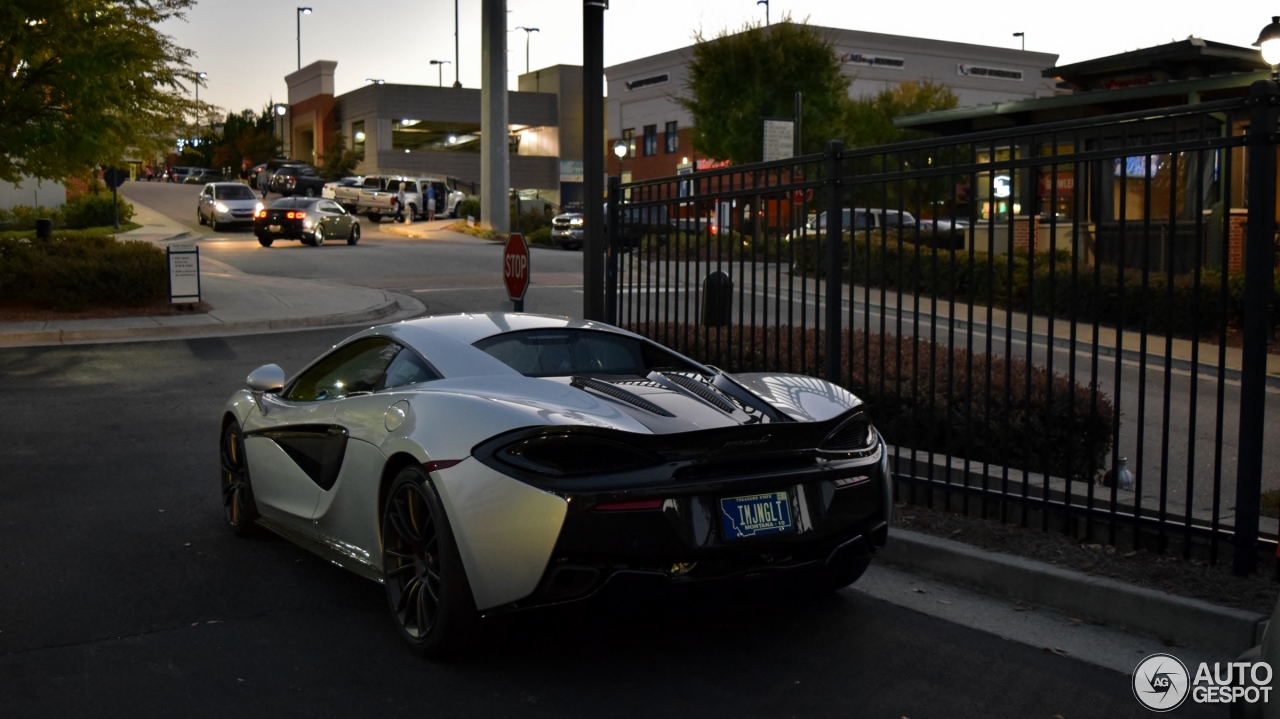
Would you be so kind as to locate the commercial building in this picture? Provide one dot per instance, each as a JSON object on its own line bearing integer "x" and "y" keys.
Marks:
{"x": 643, "y": 112}
{"x": 435, "y": 131}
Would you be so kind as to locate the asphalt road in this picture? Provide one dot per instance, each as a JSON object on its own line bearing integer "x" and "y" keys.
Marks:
{"x": 124, "y": 595}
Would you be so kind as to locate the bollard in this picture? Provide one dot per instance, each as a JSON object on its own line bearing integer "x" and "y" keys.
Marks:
{"x": 44, "y": 229}
{"x": 717, "y": 299}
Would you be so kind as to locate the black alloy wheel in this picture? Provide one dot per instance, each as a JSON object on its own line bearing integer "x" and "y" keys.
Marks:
{"x": 237, "y": 493}
{"x": 354, "y": 237}
{"x": 427, "y": 589}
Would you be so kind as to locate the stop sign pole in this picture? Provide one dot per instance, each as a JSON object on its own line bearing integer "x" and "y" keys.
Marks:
{"x": 515, "y": 269}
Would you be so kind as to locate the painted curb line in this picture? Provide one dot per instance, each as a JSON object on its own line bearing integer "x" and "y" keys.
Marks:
{"x": 1185, "y": 622}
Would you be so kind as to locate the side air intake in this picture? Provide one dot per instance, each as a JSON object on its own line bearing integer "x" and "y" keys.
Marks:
{"x": 700, "y": 390}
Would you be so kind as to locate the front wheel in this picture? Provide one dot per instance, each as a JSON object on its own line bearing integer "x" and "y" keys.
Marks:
{"x": 213, "y": 223}
{"x": 427, "y": 589}
{"x": 199, "y": 216}
{"x": 318, "y": 235}
{"x": 237, "y": 492}
{"x": 354, "y": 237}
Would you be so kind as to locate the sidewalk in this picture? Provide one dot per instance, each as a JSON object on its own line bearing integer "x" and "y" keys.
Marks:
{"x": 241, "y": 303}
{"x": 429, "y": 231}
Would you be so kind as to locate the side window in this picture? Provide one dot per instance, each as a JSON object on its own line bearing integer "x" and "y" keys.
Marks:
{"x": 208, "y": 191}
{"x": 407, "y": 369}
{"x": 351, "y": 369}
{"x": 410, "y": 186}
{"x": 373, "y": 183}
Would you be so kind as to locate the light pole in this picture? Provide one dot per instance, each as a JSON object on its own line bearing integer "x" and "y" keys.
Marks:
{"x": 620, "y": 149}
{"x": 1269, "y": 42}
{"x": 1022, "y": 35}
{"x": 456, "y": 83}
{"x": 766, "y": 11}
{"x": 440, "y": 71}
{"x": 280, "y": 111}
{"x": 199, "y": 76}
{"x": 301, "y": 11}
{"x": 527, "y": 32}
{"x": 375, "y": 80}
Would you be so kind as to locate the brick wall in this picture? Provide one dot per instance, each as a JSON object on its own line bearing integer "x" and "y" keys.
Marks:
{"x": 1236, "y": 226}
{"x": 1026, "y": 233}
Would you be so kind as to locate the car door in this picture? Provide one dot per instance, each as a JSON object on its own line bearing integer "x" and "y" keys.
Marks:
{"x": 346, "y": 515}
{"x": 295, "y": 448}
{"x": 336, "y": 221}
{"x": 206, "y": 201}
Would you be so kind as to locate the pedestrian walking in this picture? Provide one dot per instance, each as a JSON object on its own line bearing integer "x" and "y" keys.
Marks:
{"x": 431, "y": 202}
{"x": 400, "y": 199}
{"x": 264, "y": 179}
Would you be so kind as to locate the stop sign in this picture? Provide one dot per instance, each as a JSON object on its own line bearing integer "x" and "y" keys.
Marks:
{"x": 515, "y": 267}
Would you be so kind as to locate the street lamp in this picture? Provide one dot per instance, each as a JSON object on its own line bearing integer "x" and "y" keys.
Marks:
{"x": 1022, "y": 35}
{"x": 456, "y": 83}
{"x": 375, "y": 80}
{"x": 301, "y": 11}
{"x": 1269, "y": 41}
{"x": 766, "y": 11}
{"x": 280, "y": 111}
{"x": 440, "y": 71}
{"x": 620, "y": 149}
{"x": 199, "y": 76}
{"x": 527, "y": 32}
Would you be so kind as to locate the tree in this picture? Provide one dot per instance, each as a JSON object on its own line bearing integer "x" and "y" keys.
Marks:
{"x": 869, "y": 119}
{"x": 87, "y": 82}
{"x": 737, "y": 79}
{"x": 246, "y": 135}
{"x": 338, "y": 161}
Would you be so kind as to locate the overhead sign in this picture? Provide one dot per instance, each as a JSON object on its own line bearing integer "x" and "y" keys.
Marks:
{"x": 515, "y": 269}
{"x": 779, "y": 139}
{"x": 998, "y": 73}
{"x": 184, "y": 272}
{"x": 571, "y": 171}
{"x": 869, "y": 60}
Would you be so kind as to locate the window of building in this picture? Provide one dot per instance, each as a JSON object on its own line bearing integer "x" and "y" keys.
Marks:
{"x": 629, "y": 137}
{"x": 357, "y": 137}
{"x": 650, "y": 140}
{"x": 673, "y": 138}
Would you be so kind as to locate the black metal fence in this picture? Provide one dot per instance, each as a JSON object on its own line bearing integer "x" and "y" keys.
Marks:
{"x": 1064, "y": 317}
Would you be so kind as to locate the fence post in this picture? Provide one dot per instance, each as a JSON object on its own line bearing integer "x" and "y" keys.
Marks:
{"x": 612, "y": 222}
{"x": 834, "y": 261}
{"x": 1264, "y": 102}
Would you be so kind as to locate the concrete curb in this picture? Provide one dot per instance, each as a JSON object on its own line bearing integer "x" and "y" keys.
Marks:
{"x": 1186, "y": 622}
{"x": 396, "y": 306}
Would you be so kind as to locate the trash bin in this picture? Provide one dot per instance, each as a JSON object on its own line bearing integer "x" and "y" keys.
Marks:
{"x": 717, "y": 299}
{"x": 44, "y": 229}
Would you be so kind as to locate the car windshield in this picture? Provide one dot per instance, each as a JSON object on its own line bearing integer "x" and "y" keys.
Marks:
{"x": 567, "y": 352}
{"x": 234, "y": 192}
{"x": 286, "y": 203}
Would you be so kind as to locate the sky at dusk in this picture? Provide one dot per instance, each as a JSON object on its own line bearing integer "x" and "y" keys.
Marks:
{"x": 248, "y": 46}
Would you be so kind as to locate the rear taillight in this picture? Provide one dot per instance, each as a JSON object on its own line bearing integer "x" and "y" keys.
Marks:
{"x": 260, "y": 213}
{"x": 292, "y": 215}
{"x": 571, "y": 455}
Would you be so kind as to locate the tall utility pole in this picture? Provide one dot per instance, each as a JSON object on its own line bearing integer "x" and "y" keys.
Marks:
{"x": 528, "y": 31}
{"x": 766, "y": 11}
{"x": 495, "y": 165}
{"x": 593, "y": 243}
{"x": 456, "y": 82}
{"x": 301, "y": 11}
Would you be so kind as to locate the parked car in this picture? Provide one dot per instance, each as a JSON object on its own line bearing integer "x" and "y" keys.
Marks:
{"x": 226, "y": 203}
{"x": 377, "y": 196}
{"x": 201, "y": 175}
{"x": 289, "y": 180}
{"x": 271, "y": 165}
{"x": 493, "y": 462}
{"x": 345, "y": 191}
{"x": 567, "y": 230}
{"x": 178, "y": 173}
{"x": 313, "y": 221}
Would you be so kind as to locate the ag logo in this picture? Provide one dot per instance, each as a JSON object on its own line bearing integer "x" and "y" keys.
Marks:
{"x": 1160, "y": 682}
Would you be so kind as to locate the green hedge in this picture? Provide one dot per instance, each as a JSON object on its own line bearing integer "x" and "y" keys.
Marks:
{"x": 540, "y": 236}
{"x": 930, "y": 397}
{"x": 732, "y": 246}
{"x": 1098, "y": 294}
{"x": 84, "y": 211}
{"x": 469, "y": 208}
{"x": 70, "y": 273}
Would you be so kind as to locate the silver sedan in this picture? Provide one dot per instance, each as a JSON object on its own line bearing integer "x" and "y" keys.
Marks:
{"x": 226, "y": 203}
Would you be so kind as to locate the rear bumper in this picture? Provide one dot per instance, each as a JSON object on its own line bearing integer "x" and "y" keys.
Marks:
{"x": 289, "y": 229}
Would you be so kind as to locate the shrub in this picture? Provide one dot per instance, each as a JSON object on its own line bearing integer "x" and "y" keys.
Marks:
{"x": 469, "y": 207}
{"x": 94, "y": 211}
{"x": 529, "y": 221}
{"x": 1027, "y": 284}
{"x": 23, "y": 217}
{"x": 730, "y": 246}
{"x": 930, "y": 397}
{"x": 72, "y": 273}
{"x": 540, "y": 236}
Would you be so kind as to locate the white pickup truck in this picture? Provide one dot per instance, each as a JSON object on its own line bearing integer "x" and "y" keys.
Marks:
{"x": 378, "y": 196}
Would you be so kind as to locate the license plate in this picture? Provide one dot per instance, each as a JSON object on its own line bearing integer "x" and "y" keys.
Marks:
{"x": 274, "y": 228}
{"x": 756, "y": 515}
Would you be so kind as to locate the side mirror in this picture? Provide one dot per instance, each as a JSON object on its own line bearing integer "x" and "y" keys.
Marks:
{"x": 267, "y": 378}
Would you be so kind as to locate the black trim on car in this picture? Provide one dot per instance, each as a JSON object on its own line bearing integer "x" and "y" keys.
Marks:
{"x": 317, "y": 449}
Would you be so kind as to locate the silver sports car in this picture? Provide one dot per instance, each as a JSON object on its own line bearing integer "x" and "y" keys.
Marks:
{"x": 475, "y": 464}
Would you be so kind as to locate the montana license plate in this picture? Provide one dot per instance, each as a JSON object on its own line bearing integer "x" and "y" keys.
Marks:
{"x": 756, "y": 515}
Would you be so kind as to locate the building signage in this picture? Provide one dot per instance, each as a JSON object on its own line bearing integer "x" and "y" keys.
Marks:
{"x": 711, "y": 164}
{"x": 1065, "y": 182}
{"x": 862, "y": 58}
{"x": 779, "y": 139}
{"x": 571, "y": 171}
{"x": 999, "y": 73}
{"x": 645, "y": 82}
{"x": 184, "y": 272}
